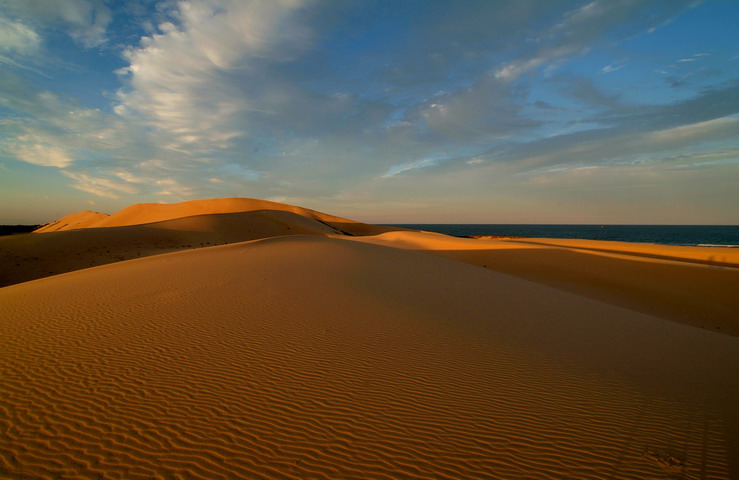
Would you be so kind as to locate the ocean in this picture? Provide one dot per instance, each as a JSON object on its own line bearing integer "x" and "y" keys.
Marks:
{"x": 700, "y": 235}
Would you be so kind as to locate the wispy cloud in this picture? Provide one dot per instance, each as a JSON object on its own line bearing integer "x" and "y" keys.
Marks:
{"x": 100, "y": 186}
{"x": 33, "y": 151}
{"x": 416, "y": 164}
{"x": 84, "y": 20}
{"x": 613, "y": 67}
{"x": 17, "y": 37}
{"x": 181, "y": 79}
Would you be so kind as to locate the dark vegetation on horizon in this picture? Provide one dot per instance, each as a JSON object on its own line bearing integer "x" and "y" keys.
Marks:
{"x": 13, "y": 229}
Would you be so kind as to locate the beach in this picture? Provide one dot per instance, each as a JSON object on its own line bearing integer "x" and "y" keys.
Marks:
{"x": 238, "y": 338}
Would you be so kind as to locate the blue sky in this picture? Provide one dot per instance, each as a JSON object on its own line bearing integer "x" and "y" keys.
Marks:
{"x": 529, "y": 111}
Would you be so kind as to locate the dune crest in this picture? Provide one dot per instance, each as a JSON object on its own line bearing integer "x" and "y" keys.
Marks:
{"x": 83, "y": 219}
{"x": 143, "y": 213}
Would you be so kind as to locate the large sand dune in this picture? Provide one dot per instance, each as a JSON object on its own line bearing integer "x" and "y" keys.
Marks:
{"x": 86, "y": 239}
{"x": 143, "y": 213}
{"x": 312, "y": 354}
{"x": 31, "y": 256}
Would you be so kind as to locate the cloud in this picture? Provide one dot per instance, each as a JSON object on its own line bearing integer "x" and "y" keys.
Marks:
{"x": 86, "y": 21}
{"x": 17, "y": 37}
{"x": 613, "y": 67}
{"x": 421, "y": 163}
{"x": 587, "y": 27}
{"x": 99, "y": 186}
{"x": 171, "y": 187}
{"x": 192, "y": 80}
{"x": 603, "y": 148}
{"x": 213, "y": 81}
{"x": 490, "y": 108}
{"x": 586, "y": 91}
{"x": 711, "y": 103}
{"x": 96, "y": 149}
{"x": 29, "y": 150}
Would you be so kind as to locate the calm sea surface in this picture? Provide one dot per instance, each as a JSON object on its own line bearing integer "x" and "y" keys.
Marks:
{"x": 703, "y": 235}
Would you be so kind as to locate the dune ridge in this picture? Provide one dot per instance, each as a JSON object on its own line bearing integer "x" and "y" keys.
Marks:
{"x": 337, "y": 359}
{"x": 143, "y": 213}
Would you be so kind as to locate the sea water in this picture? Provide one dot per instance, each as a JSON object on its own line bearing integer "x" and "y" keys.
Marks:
{"x": 701, "y": 235}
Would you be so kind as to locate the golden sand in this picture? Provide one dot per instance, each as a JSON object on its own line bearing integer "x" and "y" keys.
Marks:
{"x": 297, "y": 352}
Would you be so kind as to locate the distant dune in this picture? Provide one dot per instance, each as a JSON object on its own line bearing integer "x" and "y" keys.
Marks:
{"x": 143, "y": 213}
{"x": 260, "y": 340}
{"x": 87, "y": 239}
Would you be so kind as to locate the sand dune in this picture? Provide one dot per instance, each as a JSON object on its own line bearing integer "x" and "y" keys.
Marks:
{"x": 692, "y": 285}
{"x": 143, "y": 213}
{"x": 31, "y": 256}
{"x": 287, "y": 343}
{"x": 313, "y": 357}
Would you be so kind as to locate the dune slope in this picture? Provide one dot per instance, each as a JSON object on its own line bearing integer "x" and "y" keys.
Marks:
{"x": 692, "y": 285}
{"x": 83, "y": 219}
{"x": 313, "y": 357}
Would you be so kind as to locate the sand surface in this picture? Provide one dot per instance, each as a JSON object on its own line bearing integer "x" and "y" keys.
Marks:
{"x": 694, "y": 285}
{"x": 310, "y": 354}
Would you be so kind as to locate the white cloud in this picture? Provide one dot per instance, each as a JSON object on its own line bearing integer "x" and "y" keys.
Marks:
{"x": 33, "y": 150}
{"x": 421, "y": 163}
{"x": 669, "y": 145}
{"x": 100, "y": 186}
{"x": 84, "y": 20}
{"x": 130, "y": 177}
{"x": 573, "y": 36}
{"x": 613, "y": 67}
{"x": 17, "y": 37}
{"x": 580, "y": 31}
{"x": 99, "y": 151}
{"x": 172, "y": 187}
{"x": 181, "y": 80}
{"x": 698, "y": 132}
